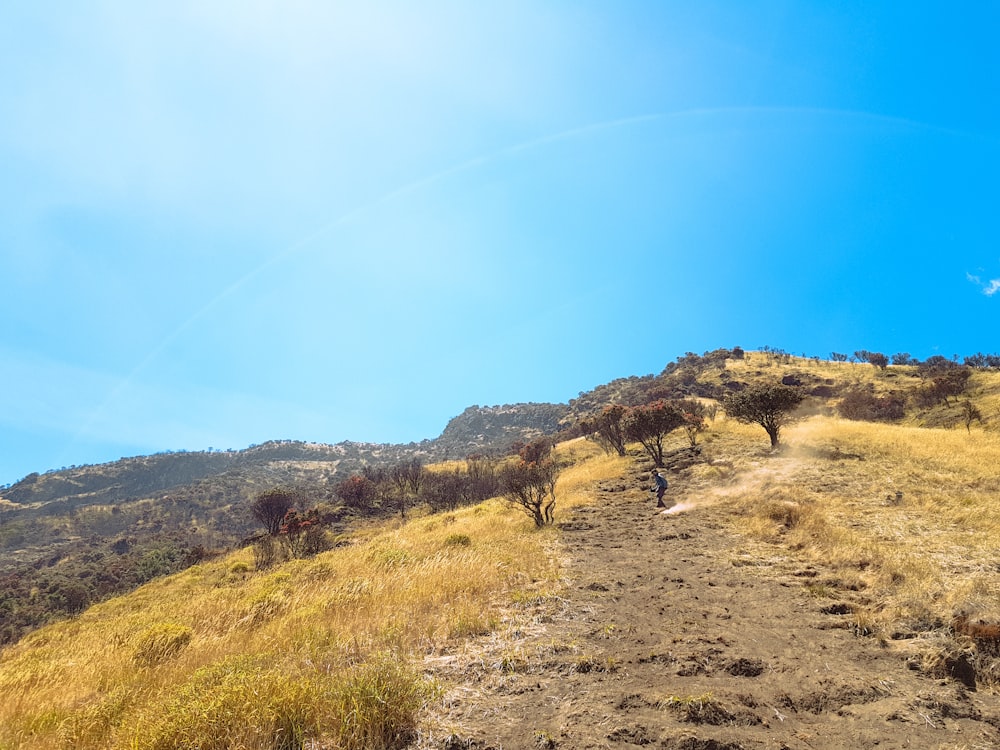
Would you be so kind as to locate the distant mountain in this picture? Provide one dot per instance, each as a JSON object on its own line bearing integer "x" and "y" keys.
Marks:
{"x": 78, "y": 535}
{"x": 492, "y": 429}
{"x": 175, "y": 492}
{"x": 479, "y": 429}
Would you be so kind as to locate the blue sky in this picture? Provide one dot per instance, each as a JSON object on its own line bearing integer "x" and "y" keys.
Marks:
{"x": 226, "y": 222}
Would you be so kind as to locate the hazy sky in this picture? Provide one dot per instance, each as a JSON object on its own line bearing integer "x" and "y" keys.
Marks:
{"x": 228, "y": 222}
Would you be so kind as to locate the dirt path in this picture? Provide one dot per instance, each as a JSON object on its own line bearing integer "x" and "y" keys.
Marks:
{"x": 672, "y": 636}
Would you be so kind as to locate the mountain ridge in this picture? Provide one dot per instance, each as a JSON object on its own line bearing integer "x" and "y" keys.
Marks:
{"x": 146, "y": 516}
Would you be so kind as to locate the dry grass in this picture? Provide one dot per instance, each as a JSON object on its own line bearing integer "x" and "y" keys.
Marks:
{"x": 909, "y": 514}
{"x": 325, "y": 648}
{"x": 904, "y": 513}
{"x": 322, "y": 648}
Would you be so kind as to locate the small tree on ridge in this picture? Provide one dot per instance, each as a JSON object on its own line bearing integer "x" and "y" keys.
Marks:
{"x": 608, "y": 428}
{"x": 768, "y": 404}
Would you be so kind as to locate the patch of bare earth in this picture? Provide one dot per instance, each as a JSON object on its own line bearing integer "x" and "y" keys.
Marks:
{"x": 668, "y": 635}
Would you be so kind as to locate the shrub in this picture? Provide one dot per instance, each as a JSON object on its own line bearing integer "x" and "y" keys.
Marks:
{"x": 536, "y": 451}
{"x": 265, "y": 553}
{"x": 945, "y": 382}
{"x": 608, "y": 428}
{"x": 457, "y": 540}
{"x": 864, "y": 406}
{"x": 356, "y": 491}
{"x": 769, "y": 405}
{"x": 532, "y": 488}
{"x": 302, "y": 534}
{"x": 693, "y": 413}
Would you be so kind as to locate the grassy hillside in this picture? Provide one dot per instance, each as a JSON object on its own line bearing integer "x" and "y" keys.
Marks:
{"x": 76, "y": 536}
{"x": 224, "y": 656}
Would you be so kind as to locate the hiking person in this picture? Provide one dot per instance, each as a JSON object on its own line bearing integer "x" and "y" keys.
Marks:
{"x": 659, "y": 489}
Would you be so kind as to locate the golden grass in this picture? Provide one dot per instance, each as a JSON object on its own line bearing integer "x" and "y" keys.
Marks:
{"x": 318, "y": 648}
{"x": 925, "y": 553}
{"x": 325, "y": 648}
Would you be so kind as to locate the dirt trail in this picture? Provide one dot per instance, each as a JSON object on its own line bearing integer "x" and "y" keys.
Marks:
{"x": 671, "y": 635}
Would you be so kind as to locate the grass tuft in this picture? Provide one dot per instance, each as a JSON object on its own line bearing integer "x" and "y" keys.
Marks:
{"x": 160, "y": 642}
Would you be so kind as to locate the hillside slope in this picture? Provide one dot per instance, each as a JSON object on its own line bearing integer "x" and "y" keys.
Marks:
{"x": 77, "y": 535}
{"x": 674, "y": 632}
{"x": 841, "y": 590}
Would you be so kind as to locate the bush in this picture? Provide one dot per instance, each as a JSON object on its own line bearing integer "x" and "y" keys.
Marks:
{"x": 457, "y": 540}
{"x": 357, "y": 491}
{"x": 769, "y": 405}
{"x": 265, "y": 553}
{"x": 867, "y": 407}
{"x": 946, "y": 381}
{"x": 532, "y": 488}
{"x": 608, "y": 428}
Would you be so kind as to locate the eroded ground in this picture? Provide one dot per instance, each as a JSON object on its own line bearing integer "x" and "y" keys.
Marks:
{"x": 671, "y": 634}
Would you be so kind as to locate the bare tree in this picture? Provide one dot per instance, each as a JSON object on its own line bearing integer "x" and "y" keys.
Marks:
{"x": 406, "y": 477}
{"x": 650, "y": 425}
{"x": 442, "y": 490}
{"x": 270, "y": 507}
{"x": 532, "y": 488}
{"x": 970, "y": 414}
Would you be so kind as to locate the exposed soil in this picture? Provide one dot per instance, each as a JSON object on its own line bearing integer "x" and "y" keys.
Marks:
{"x": 673, "y": 633}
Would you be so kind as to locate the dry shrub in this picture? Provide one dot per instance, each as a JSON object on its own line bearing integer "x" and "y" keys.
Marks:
{"x": 706, "y": 709}
{"x": 941, "y": 657}
{"x": 786, "y": 513}
{"x": 457, "y": 540}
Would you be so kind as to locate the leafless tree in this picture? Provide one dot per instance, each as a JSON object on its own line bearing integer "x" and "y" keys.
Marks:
{"x": 532, "y": 488}
{"x": 270, "y": 507}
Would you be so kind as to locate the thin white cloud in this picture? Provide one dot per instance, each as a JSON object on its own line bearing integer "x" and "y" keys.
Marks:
{"x": 989, "y": 288}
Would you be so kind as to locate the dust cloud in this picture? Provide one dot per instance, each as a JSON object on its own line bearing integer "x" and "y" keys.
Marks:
{"x": 754, "y": 481}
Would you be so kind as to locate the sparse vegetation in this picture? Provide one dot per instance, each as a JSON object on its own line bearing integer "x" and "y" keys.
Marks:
{"x": 902, "y": 517}
{"x": 314, "y": 648}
